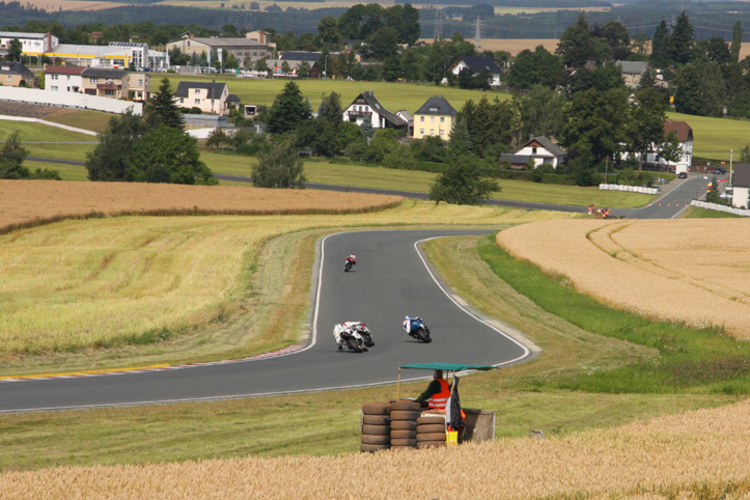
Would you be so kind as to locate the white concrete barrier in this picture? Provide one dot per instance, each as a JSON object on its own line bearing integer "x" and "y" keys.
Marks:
{"x": 630, "y": 189}
{"x": 69, "y": 99}
{"x": 720, "y": 208}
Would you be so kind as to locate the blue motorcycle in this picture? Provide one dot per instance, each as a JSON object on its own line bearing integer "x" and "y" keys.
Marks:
{"x": 417, "y": 329}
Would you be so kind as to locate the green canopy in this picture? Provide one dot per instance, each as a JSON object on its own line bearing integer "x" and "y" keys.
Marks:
{"x": 449, "y": 367}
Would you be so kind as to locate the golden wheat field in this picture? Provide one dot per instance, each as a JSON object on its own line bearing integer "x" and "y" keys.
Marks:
{"x": 703, "y": 450}
{"x": 691, "y": 270}
{"x": 24, "y": 203}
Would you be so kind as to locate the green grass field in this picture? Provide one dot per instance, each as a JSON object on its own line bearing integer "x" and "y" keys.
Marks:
{"x": 323, "y": 172}
{"x": 394, "y": 96}
{"x": 714, "y": 138}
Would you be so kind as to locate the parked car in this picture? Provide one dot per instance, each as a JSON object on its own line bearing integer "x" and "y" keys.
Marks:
{"x": 719, "y": 170}
{"x": 682, "y": 175}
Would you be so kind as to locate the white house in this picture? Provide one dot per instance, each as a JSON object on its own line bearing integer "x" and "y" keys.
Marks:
{"x": 536, "y": 152}
{"x": 741, "y": 185}
{"x": 684, "y": 134}
{"x": 210, "y": 97}
{"x": 478, "y": 64}
{"x": 366, "y": 107}
{"x": 63, "y": 78}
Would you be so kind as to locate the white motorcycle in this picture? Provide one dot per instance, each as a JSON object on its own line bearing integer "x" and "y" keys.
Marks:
{"x": 349, "y": 337}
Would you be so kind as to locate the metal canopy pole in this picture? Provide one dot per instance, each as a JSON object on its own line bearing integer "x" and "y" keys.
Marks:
{"x": 398, "y": 385}
{"x": 500, "y": 387}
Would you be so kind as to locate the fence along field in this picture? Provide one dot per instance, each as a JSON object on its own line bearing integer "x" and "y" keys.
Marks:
{"x": 667, "y": 457}
{"x": 691, "y": 270}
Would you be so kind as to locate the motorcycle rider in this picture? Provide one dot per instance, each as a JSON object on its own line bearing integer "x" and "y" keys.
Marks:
{"x": 353, "y": 259}
{"x": 411, "y": 323}
{"x": 343, "y": 332}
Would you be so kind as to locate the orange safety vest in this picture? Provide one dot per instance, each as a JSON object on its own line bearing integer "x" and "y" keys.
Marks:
{"x": 439, "y": 400}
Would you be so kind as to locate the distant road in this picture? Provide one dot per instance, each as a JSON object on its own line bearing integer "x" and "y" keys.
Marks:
{"x": 678, "y": 195}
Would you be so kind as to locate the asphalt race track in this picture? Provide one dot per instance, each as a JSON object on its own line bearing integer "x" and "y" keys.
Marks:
{"x": 391, "y": 279}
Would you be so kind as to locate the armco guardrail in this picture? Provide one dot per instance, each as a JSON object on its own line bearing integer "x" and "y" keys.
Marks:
{"x": 632, "y": 189}
{"x": 69, "y": 99}
{"x": 720, "y": 208}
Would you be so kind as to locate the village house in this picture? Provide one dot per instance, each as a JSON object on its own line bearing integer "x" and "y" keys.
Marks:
{"x": 112, "y": 83}
{"x": 632, "y": 72}
{"x": 209, "y": 97}
{"x": 741, "y": 185}
{"x": 535, "y": 152}
{"x": 15, "y": 74}
{"x": 477, "y": 64}
{"x": 366, "y": 107}
{"x": 434, "y": 118}
{"x": 63, "y": 79}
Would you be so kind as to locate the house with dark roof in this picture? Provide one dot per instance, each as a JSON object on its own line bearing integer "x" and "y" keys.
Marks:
{"x": 684, "y": 134}
{"x": 537, "y": 151}
{"x": 478, "y": 64}
{"x": 741, "y": 185}
{"x": 366, "y": 107}
{"x": 112, "y": 83}
{"x": 434, "y": 118}
{"x": 63, "y": 78}
{"x": 632, "y": 72}
{"x": 209, "y": 97}
{"x": 15, "y": 74}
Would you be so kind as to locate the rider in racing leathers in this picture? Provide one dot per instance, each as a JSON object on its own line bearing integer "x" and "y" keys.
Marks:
{"x": 342, "y": 332}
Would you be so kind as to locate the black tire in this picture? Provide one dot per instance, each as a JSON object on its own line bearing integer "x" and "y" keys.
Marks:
{"x": 403, "y": 434}
{"x": 431, "y": 420}
{"x": 421, "y": 335}
{"x": 372, "y": 439}
{"x": 371, "y": 448}
{"x": 347, "y": 267}
{"x": 376, "y": 408}
{"x": 427, "y": 428}
{"x": 431, "y": 436}
{"x": 354, "y": 345}
{"x": 405, "y": 405}
{"x": 376, "y": 420}
{"x": 404, "y": 442}
{"x": 430, "y": 444}
{"x": 403, "y": 425}
{"x": 405, "y": 415}
{"x": 376, "y": 430}
{"x": 368, "y": 340}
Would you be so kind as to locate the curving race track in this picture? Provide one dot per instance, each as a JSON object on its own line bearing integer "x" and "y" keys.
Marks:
{"x": 390, "y": 280}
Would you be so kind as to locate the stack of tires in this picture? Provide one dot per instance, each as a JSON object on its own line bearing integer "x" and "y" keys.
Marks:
{"x": 430, "y": 431}
{"x": 404, "y": 415}
{"x": 376, "y": 428}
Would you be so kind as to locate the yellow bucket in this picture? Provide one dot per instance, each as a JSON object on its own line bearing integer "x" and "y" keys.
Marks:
{"x": 451, "y": 438}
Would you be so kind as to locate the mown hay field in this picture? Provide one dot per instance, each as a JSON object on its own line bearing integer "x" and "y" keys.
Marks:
{"x": 701, "y": 452}
{"x": 695, "y": 271}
